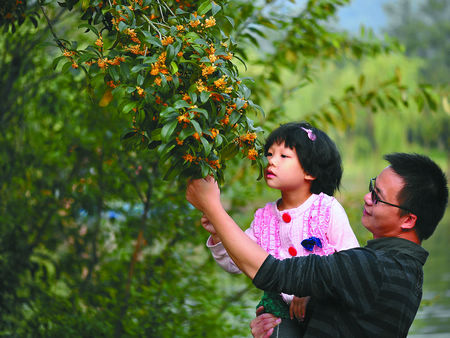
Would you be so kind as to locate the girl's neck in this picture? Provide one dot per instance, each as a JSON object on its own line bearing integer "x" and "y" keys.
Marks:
{"x": 292, "y": 200}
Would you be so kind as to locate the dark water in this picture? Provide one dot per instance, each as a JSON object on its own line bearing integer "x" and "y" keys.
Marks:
{"x": 433, "y": 317}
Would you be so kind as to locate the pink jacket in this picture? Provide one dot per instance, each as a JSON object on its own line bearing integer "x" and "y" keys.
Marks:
{"x": 281, "y": 233}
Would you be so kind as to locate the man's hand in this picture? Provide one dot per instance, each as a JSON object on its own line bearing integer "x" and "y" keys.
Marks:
{"x": 297, "y": 308}
{"x": 262, "y": 326}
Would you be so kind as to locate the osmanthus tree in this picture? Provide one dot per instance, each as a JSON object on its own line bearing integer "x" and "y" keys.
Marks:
{"x": 169, "y": 66}
{"x": 93, "y": 241}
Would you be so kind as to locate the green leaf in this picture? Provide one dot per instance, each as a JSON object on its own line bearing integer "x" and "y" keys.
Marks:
{"x": 205, "y": 169}
{"x": 204, "y": 7}
{"x": 92, "y": 28}
{"x": 215, "y": 8}
{"x": 149, "y": 38}
{"x": 218, "y": 140}
{"x": 66, "y": 67}
{"x": 167, "y": 130}
{"x": 185, "y": 133}
{"x": 129, "y": 107}
{"x": 191, "y": 37}
{"x": 56, "y": 61}
{"x": 181, "y": 104}
{"x": 206, "y": 145}
{"x": 139, "y": 67}
{"x": 204, "y": 96}
{"x": 229, "y": 151}
{"x": 174, "y": 67}
{"x": 197, "y": 127}
{"x": 140, "y": 80}
{"x": 122, "y": 26}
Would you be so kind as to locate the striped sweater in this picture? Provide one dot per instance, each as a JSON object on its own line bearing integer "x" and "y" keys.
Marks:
{"x": 373, "y": 291}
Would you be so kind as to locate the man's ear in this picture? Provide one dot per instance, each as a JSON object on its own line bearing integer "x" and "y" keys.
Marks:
{"x": 409, "y": 222}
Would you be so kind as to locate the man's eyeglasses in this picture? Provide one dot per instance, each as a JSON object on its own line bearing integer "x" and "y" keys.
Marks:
{"x": 376, "y": 198}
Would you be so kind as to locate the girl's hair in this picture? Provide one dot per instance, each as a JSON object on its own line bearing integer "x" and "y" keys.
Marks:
{"x": 317, "y": 153}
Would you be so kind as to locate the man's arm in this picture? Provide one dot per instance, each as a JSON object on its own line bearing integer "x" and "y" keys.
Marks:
{"x": 204, "y": 194}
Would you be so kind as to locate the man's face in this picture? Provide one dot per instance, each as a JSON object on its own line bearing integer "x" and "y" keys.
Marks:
{"x": 381, "y": 219}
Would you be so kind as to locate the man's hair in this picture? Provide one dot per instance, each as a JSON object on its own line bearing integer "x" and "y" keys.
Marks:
{"x": 317, "y": 153}
{"x": 425, "y": 192}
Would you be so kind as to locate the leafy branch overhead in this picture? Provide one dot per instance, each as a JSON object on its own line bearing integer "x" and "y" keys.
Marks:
{"x": 170, "y": 67}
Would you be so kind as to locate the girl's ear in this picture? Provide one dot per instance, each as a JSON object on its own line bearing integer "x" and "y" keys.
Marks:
{"x": 409, "y": 222}
{"x": 308, "y": 177}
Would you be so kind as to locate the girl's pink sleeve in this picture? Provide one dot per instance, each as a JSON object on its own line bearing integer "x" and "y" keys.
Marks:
{"x": 340, "y": 233}
{"x": 221, "y": 256}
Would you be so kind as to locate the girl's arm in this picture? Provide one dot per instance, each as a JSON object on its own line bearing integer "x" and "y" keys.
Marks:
{"x": 204, "y": 194}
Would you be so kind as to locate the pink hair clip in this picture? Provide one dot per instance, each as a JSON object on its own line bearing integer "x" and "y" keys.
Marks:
{"x": 310, "y": 133}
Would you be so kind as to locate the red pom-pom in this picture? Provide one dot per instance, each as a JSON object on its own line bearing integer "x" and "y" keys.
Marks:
{"x": 286, "y": 217}
{"x": 292, "y": 251}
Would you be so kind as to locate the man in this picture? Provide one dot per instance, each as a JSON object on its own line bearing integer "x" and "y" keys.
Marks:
{"x": 373, "y": 291}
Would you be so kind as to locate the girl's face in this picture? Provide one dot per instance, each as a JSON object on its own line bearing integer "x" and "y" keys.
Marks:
{"x": 284, "y": 171}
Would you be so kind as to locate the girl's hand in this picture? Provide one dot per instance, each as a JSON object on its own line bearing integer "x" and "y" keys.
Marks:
{"x": 210, "y": 228}
{"x": 298, "y": 307}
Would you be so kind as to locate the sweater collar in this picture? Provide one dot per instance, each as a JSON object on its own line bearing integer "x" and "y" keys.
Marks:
{"x": 401, "y": 245}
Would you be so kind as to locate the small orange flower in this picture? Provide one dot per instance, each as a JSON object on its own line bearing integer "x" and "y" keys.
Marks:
{"x": 141, "y": 92}
{"x": 214, "y": 132}
{"x": 189, "y": 158}
{"x": 162, "y": 58}
{"x": 180, "y": 27}
{"x": 249, "y": 137}
{"x": 183, "y": 118}
{"x": 194, "y": 23}
{"x": 252, "y": 153}
{"x": 74, "y": 65}
{"x": 216, "y": 97}
{"x": 214, "y": 164}
{"x": 158, "y": 81}
{"x": 99, "y": 42}
{"x": 167, "y": 41}
{"x": 180, "y": 54}
{"x": 225, "y": 120}
{"x": 101, "y": 63}
{"x": 111, "y": 84}
{"x": 186, "y": 98}
{"x": 229, "y": 56}
{"x": 212, "y": 58}
{"x": 196, "y": 136}
{"x": 210, "y": 22}
{"x": 155, "y": 69}
{"x": 68, "y": 53}
{"x": 135, "y": 49}
{"x": 201, "y": 87}
{"x": 221, "y": 83}
{"x": 179, "y": 142}
{"x": 208, "y": 70}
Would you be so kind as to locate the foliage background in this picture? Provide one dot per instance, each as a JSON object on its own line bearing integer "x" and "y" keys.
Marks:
{"x": 95, "y": 243}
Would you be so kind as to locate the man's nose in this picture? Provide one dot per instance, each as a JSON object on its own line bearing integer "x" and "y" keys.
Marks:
{"x": 368, "y": 198}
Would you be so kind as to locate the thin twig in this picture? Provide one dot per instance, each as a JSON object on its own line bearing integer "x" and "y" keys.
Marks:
{"x": 151, "y": 24}
{"x": 58, "y": 42}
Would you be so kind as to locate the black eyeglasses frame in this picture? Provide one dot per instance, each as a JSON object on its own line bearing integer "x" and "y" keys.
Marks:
{"x": 376, "y": 198}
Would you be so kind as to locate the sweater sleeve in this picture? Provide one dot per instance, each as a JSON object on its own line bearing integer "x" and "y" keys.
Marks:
{"x": 340, "y": 233}
{"x": 221, "y": 256}
{"x": 351, "y": 277}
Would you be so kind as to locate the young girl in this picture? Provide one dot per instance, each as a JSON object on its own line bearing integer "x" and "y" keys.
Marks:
{"x": 305, "y": 165}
